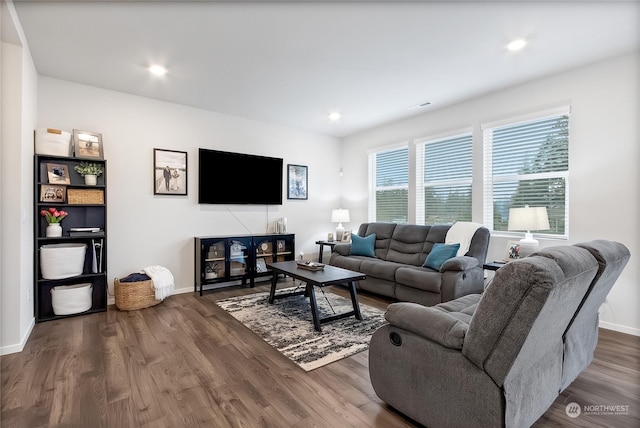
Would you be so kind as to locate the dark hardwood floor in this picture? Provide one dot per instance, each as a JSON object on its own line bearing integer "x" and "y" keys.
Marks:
{"x": 187, "y": 363}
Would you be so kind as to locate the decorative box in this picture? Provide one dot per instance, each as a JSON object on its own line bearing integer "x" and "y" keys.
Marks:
{"x": 71, "y": 299}
{"x": 52, "y": 142}
{"x": 85, "y": 196}
{"x": 58, "y": 261}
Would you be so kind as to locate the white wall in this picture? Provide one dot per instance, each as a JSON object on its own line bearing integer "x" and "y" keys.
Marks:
{"x": 604, "y": 151}
{"x": 18, "y": 83}
{"x": 144, "y": 229}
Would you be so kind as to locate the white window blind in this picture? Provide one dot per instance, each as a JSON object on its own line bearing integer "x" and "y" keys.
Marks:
{"x": 527, "y": 163}
{"x": 444, "y": 173}
{"x": 388, "y": 185}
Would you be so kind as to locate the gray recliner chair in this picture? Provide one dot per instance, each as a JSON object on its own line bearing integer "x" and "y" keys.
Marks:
{"x": 500, "y": 358}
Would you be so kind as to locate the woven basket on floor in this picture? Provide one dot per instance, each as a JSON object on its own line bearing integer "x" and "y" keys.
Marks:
{"x": 134, "y": 295}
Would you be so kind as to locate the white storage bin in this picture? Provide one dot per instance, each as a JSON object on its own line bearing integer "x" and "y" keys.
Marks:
{"x": 52, "y": 142}
{"x": 71, "y": 299}
{"x": 58, "y": 261}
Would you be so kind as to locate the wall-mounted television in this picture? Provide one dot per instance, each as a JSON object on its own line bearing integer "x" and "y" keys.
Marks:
{"x": 238, "y": 178}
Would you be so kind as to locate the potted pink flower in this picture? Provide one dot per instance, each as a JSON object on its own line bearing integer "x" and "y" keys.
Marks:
{"x": 53, "y": 217}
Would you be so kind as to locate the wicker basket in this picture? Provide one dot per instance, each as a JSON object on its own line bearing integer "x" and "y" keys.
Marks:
{"x": 131, "y": 296}
{"x": 82, "y": 196}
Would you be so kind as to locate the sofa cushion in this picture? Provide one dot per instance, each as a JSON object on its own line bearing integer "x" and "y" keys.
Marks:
{"x": 381, "y": 269}
{"x": 439, "y": 254}
{"x": 420, "y": 278}
{"x": 347, "y": 262}
{"x": 363, "y": 246}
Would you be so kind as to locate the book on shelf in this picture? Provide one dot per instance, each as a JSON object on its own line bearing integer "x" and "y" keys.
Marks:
{"x": 85, "y": 231}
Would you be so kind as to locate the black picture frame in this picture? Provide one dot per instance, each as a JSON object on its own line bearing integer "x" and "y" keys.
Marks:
{"x": 170, "y": 170}
{"x": 297, "y": 182}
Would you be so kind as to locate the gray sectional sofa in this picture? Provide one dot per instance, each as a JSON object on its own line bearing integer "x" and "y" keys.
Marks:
{"x": 501, "y": 358}
{"x": 396, "y": 269}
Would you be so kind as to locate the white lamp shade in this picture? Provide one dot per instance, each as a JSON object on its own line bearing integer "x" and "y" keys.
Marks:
{"x": 340, "y": 215}
{"x": 528, "y": 218}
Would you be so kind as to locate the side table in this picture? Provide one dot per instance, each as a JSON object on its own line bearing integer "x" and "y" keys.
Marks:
{"x": 322, "y": 244}
{"x": 493, "y": 265}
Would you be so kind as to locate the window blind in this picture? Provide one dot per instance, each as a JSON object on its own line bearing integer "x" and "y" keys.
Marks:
{"x": 444, "y": 173}
{"x": 527, "y": 163}
{"x": 388, "y": 188}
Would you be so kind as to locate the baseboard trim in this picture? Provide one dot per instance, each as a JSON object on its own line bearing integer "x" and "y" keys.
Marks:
{"x": 18, "y": 347}
{"x": 620, "y": 328}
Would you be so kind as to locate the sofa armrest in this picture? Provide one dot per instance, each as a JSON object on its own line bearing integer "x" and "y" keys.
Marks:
{"x": 460, "y": 263}
{"x": 428, "y": 322}
{"x": 342, "y": 248}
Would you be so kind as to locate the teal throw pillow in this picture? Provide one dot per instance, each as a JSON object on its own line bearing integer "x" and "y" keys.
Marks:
{"x": 439, "y": 254}
{"x": 363, "y": 246}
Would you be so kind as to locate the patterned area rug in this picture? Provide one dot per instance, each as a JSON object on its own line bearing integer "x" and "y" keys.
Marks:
{"x": 287, "y": 325}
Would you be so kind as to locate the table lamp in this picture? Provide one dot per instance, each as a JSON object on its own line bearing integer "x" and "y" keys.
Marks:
{"x": 528, "y": 219}
{"x": 338, "y": 216}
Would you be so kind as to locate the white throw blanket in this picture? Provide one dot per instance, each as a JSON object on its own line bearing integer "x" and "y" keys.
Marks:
{"x": 162, "y": 280}
{"x": 461, "y": 232}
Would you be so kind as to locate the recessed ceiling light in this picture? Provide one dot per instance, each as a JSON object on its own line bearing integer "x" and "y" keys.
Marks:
{"x": 158, "y": 70}
{"x": 334, "y": 116}
{"x": 517, "y": 44}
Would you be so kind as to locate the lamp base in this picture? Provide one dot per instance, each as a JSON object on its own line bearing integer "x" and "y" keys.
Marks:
{"x": 528, "y": 245}
{"x": 339, "y": 232}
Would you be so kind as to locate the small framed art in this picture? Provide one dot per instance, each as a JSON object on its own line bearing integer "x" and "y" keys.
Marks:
{"x": 513, "y": 251}
{"x": 58, "y": 173}
{"x": 169, "y": 172}
{"x": 346, "y": 236}
{"x": 87, "y": 144}
{"x": 52, "y": 193}
{"x": 297, "y": 182}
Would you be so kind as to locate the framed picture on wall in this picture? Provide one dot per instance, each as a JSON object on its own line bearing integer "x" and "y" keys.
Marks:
{"x": 87, "y": 145}
{"x": 169, "y": 172}
{"x": 297, "y": 182}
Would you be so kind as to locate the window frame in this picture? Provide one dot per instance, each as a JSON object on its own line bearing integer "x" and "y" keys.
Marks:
{"x": 489, "y": 179}
{"x": 420, "y": 148}
{"x": 372, "y": 178}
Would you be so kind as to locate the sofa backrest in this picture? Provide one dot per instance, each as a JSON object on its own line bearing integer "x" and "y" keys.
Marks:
{"x": 511, "y": 308}
{"x": 581, "y": 336}
{"x": 411, "y": 243}
{"x": 516, "y": 332}
{"x": 383, "y": 232}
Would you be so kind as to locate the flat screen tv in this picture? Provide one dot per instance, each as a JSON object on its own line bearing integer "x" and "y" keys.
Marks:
{"x": 238, "y": 178}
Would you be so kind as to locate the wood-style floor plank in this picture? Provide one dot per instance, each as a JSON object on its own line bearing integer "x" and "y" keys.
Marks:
{"x": 187, "y": 363}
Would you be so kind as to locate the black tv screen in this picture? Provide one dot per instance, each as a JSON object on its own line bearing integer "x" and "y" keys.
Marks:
{"x": 238, "y": 178}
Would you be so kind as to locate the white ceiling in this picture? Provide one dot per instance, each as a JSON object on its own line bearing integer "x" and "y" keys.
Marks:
{"x": 293, "y": 63}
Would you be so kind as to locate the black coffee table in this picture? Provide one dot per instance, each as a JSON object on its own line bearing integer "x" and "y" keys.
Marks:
{"x": 330, "y": 275}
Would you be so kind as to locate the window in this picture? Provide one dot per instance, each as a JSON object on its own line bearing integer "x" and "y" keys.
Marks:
{"x": 527, "y": 163}
{"x": 389, "y": 185}
{"x": 444, "y": 171}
